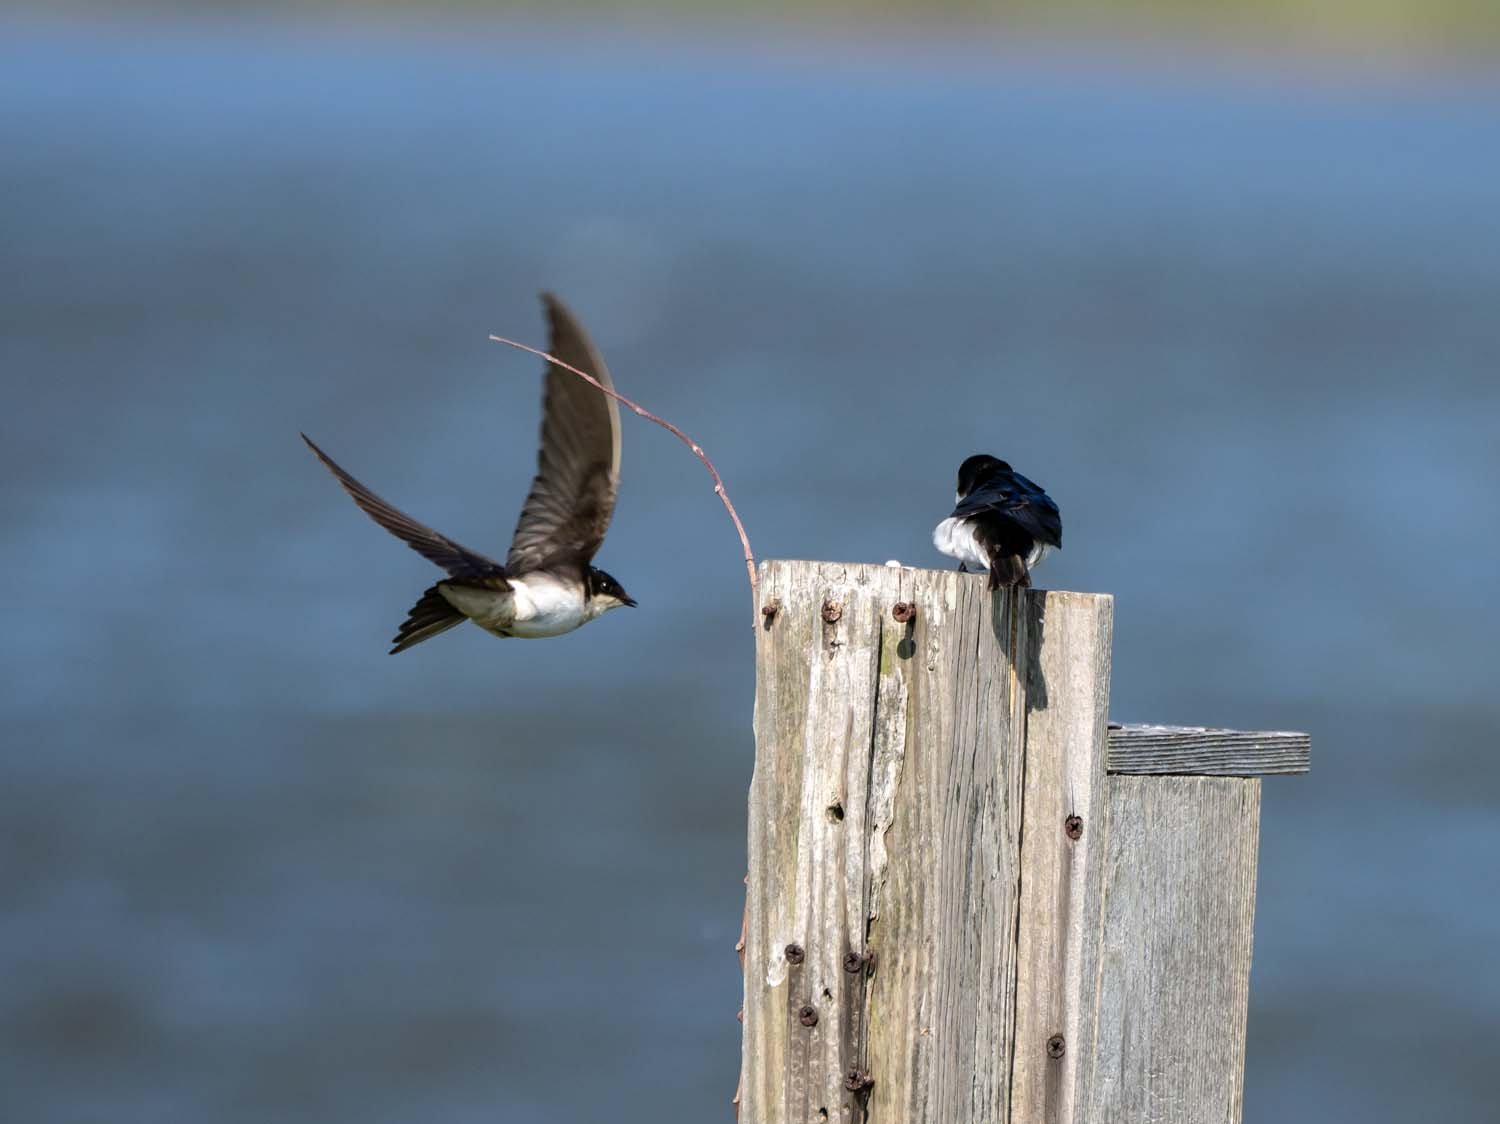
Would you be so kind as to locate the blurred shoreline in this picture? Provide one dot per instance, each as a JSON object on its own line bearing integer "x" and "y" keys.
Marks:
{"x": 1251, "y": 43}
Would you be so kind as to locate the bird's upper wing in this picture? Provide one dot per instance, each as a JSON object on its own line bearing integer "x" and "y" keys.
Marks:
{"x": 1018, "y": 499}
{"x": 578, "y": 467}
{"x": 459, "y": 561}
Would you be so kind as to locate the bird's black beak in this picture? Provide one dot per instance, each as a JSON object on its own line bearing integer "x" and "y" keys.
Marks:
{"x": 628, "y": 600}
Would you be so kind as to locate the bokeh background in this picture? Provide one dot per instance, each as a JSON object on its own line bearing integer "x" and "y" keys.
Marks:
{"x": 1226, "y": 286}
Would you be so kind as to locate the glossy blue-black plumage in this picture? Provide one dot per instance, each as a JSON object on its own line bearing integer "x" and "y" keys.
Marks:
{"x": 999, "y": 491}
{"x": 1012, "y": 521}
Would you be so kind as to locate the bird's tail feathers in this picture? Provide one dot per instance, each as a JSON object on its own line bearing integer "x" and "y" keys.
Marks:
{"x": 1007, "y": 570}
{"x": 430, "y": 616}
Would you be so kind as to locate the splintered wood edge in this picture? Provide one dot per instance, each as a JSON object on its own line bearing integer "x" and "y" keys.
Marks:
{"x": 1206, "y": 752}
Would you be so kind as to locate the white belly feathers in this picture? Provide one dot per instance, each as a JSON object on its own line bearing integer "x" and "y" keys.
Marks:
{"x": 956, "y": 539}
{"x": 535, "y": 606}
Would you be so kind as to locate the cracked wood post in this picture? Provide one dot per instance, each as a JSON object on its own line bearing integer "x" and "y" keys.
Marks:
{"x": 959, "y": 911}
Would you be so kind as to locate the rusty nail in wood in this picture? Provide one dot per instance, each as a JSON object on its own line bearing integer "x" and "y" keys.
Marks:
{"x": 770, "y": 609}
{"x": 1056, "y": 1046}
{"x": 794, "y": 954}
{"x": 857, "y": 1079}
{"x": 853, "y": 962}
{"x": 903, "y": 611}
{"x": 1073, "y": 825}
{"x": 832, "y": 611}
{"x": 808, "y": 1015}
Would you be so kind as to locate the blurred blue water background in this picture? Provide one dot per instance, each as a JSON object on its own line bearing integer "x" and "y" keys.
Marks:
{"x": 1240, "y": 322}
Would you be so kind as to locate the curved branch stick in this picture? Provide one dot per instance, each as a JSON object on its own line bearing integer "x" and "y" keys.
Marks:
{"x": 698, "y": 452}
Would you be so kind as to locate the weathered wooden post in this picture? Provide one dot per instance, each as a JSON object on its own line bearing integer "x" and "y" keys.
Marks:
{"x": 971, "y": 900}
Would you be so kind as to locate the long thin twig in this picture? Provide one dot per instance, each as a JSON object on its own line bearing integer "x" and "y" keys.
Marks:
{"x": 723, "y": 494}
{"x": 698, "y": 452}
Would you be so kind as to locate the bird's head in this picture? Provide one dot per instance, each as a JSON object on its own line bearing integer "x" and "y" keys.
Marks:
{"x": 976, "y": 470}
{"x": 605, "y": 593}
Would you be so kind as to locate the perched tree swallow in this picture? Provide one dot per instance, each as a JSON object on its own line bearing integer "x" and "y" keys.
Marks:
{"x": 547, "y": 586}
{"x": 1002, "y": 522}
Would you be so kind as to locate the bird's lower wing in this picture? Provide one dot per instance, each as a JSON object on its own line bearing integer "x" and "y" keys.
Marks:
{"x": 1036, "y": 515}
{"x": 459, "y": 561}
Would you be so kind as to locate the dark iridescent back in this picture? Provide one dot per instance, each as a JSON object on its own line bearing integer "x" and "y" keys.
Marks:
{"x": 994, "y": 488}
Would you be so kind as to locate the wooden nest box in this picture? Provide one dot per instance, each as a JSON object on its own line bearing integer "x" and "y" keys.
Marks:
{"x": 972, "y": 899}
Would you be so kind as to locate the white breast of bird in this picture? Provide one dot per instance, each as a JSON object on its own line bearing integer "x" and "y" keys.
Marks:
{"x": 545, "y": 606}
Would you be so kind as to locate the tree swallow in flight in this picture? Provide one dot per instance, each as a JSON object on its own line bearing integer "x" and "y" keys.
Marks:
{"x": 1002, "y": 523}
{"x": 547, "y": 585}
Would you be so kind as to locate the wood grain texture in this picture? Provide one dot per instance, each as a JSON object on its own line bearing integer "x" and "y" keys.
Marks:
{"x": 886, "y": 819}
{"x": 940, "y": 1005}
{"x": 1062, "y": 876}
{"x": 815, "y": 690}
{"x": 1201, "y": 751}
{"x": 926, "y": 942}
{"x": 1174, "y": 969}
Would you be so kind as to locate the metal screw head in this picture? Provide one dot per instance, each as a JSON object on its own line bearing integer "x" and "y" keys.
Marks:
{"x": 794, "y": 953}
{"x": 858, "y": 1079}
{"x": 1073, "y": 826}
{"x": 853, "y": 962}
{"x": 1057, "y": 1046}
{"x": 832, "y": 611}
{"x": 808, "y": 1015}
{"x": 903, "y": 611}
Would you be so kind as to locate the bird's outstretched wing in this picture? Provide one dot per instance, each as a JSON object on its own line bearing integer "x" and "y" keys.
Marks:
{"x": 1012, "y": 495}
{"x": 459, "y": 561}
{"x": 578, "y": 468}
